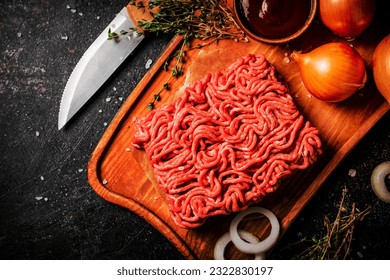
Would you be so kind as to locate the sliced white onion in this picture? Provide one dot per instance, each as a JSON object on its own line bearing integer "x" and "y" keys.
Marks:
{"x": 378, "y": 181}
{"x": 223, "y": 241}
{"x": 261, "y": 246}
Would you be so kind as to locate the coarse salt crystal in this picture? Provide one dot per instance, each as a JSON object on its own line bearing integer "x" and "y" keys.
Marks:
{"x": 42, "y": 178}
{"x": 37, "y": 133}
{"x": 19, "y": 34}
{"x": 108, "y": 99}
{"x": 148, "y": 63}
{"x": 38, "y": 198}
{"x": 127, "y": 149}
{"x": 104, "y": 182}
{"x": 73, "y": 11}
{"x": 105, "y": 124}
{"x": 81, "y": 170}
{"x": 352, "y": 172}
{"x": 68, "y": 7}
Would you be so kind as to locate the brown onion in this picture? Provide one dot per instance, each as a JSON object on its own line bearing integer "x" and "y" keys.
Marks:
{"x": 381, "y": 67}
{"x": 347, "y": 18}
{"x": 332, "y": 72}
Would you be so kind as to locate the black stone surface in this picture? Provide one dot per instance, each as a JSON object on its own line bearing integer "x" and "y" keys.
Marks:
{"x": 48, "y": 209}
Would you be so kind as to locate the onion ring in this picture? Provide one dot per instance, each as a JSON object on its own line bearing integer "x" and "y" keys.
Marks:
{"x": 261, "y": 246}
{"x": 224, "y": 240}
{"x": 378, "y": 182}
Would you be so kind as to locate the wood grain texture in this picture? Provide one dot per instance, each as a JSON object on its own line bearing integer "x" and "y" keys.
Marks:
{"x": 122, "y": 174}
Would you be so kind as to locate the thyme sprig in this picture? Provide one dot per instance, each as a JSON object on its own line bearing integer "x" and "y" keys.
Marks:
{"x": 336, "y": 243}
{"x": 157, "y": 96}
{"x": 195, "y": 19}
{"x": 207, "y": 20}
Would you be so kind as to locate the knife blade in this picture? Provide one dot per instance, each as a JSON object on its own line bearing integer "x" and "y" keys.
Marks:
{"x": 96, "y": 65}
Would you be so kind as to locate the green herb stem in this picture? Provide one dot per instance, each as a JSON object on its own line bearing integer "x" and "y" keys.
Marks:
{"x": 207, "y": 20}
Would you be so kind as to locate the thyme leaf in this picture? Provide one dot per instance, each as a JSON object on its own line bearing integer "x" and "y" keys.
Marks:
{"x": 206, "y": 20}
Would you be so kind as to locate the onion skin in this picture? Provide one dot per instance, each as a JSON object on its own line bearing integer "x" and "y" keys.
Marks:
{"x": 347, "y": 18}
{"x": 381, "y": 67}
{"x": 332, "y": 72}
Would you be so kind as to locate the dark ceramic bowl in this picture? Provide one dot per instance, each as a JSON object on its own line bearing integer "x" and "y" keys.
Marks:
{"x": 274, "y": 21}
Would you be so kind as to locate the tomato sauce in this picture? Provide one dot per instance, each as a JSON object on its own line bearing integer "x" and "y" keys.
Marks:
{"x": 273, "y": 19}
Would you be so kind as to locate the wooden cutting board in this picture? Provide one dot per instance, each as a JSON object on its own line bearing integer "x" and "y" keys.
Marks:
{"x": 122, "y": 174}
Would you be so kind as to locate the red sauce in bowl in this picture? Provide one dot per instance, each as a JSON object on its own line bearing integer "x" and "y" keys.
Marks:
{"x": 273, "y": 19}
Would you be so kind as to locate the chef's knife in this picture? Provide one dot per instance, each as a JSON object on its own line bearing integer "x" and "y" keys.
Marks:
{"x": 97, "y": 64}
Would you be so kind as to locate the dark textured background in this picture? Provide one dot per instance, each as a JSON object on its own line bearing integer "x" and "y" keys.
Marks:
{"x": 47, "y": 208}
